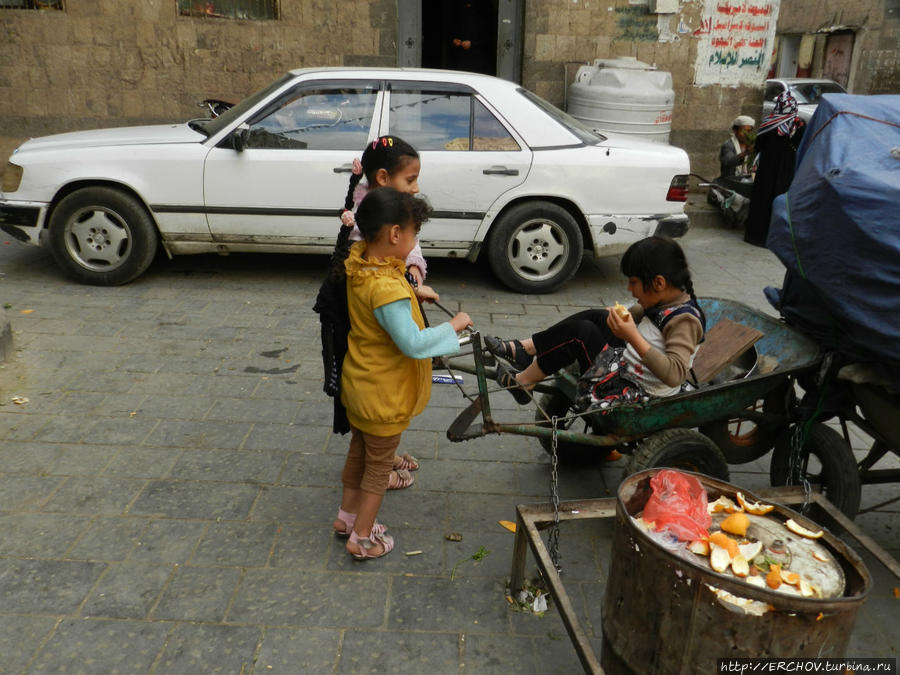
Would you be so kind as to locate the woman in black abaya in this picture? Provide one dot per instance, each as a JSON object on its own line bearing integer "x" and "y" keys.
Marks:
{"x": 777, "y": 140}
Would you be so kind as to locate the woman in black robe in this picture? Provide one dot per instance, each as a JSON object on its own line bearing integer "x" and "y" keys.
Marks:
{"x": 777, "y": 141}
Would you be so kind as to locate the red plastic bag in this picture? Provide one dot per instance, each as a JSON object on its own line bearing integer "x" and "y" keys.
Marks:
{"x": 678, "y": 504}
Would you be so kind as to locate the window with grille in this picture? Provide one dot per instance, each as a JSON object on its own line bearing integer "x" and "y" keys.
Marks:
{"x": 228, "y": 9}
{"x": 31, "y": 4}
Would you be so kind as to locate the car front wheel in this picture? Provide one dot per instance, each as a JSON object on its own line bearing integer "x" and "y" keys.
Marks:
{"x": 102, "y": 236}
{"x": 535, "y": 247}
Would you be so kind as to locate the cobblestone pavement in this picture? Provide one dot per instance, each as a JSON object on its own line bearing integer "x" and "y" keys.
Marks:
{"x": 167, "y": 490}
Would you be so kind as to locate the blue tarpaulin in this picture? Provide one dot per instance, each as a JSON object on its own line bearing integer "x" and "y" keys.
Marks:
{"x": 837, "y": 230}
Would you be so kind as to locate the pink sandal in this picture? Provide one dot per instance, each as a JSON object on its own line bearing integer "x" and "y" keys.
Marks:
{"x": 366, "y": 544}
{"x": 348, "y": 520}
{"x": 400, "y": 479}
{"x": 407, "y": 461}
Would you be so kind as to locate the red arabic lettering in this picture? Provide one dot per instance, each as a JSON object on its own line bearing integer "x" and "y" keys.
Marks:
{"x": 705, "y": 27}
{"x": 728, "y": 8}
{"x": 721, "y": 42}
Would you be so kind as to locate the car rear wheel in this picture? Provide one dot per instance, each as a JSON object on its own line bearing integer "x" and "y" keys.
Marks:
{"x": 102, "y": 236}
{"x": 535, "y": 247}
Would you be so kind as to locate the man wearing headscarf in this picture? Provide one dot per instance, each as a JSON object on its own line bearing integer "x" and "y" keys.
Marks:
{"x": 735, "y": 150}
{"x": 777, "y": 140}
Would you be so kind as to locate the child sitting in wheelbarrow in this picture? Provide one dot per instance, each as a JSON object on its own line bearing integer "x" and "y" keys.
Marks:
{"x": 623, "y": 355}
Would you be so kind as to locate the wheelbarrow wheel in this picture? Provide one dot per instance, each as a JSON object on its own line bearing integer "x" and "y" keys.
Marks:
{"x": 826, "y": 460}
{"x": 742, "y": 440}
{"x": 558, "y": 404}
{"x": 679, "y": 449}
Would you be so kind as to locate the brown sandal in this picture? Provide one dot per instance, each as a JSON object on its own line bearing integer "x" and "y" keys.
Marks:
{"x": 400, "y": 479}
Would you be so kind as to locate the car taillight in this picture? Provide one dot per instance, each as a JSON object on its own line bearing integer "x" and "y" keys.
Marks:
{"x": 678, "y": 189}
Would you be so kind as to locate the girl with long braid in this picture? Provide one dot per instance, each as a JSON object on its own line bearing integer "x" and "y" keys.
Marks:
{"x": 388, "y": 161}
{"x": 645, "y": 350}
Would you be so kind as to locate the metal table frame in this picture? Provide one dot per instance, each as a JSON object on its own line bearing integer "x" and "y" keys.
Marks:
{"x": 530, "y": 516}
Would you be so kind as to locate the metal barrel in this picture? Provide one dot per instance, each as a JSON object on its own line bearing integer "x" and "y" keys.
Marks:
{"x": 661, "y": 617}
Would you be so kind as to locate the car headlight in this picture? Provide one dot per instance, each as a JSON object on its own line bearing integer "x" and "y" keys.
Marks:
{"x": 12, "y": 177}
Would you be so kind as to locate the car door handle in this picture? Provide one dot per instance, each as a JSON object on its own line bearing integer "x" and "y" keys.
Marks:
{"x": 346, "y": 168}
{"x": 500, "y": 171}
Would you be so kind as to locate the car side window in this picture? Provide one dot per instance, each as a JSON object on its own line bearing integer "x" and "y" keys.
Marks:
{"x": 489, "y": 133}
{"x": 442, "y": 120}
{"x": 321, "y": 118}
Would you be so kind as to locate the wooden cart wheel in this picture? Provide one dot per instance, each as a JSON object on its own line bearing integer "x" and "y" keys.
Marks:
{"x": 679, "y": 449}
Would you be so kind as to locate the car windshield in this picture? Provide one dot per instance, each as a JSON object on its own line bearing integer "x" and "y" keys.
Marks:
{"x": 583, "y": 132}
{"x": 214, "y": 126}
{"x": 811, "y": 92}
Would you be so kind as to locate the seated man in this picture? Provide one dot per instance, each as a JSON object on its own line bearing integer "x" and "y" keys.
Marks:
{"x": 735, "y": 150}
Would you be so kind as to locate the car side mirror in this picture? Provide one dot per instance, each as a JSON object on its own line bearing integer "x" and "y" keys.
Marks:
{"x": 239, "y": 137}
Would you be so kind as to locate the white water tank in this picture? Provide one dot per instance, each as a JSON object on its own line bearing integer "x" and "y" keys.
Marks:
{"x": 625, "y": 96}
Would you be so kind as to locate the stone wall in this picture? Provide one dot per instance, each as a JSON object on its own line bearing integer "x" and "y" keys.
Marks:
{"x": 578, "y": 31}
{"x": 110, "y": 63}
{"x": 113, "y": 63}
{"x": 876, "y": 25}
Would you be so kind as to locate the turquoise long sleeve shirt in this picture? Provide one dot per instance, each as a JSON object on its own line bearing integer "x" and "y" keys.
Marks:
{"x": 396, "y": 318}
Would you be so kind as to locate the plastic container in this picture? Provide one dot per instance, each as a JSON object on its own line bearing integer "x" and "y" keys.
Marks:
{"x": 625, "y": 96}
{"x": 663, "y": 613}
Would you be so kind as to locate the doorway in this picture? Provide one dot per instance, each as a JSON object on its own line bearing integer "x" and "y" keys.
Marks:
{"x": 838, "y": 53}
{"x": 460, "y": 35}
{"x": 788, "y": 55}
{"x": 489, "y": 35}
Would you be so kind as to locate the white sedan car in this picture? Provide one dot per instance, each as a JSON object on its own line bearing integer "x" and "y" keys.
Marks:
{"x": 506, "y": 173}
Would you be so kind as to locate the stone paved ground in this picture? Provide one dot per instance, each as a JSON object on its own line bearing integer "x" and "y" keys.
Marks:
{"x": 166, "y": 492}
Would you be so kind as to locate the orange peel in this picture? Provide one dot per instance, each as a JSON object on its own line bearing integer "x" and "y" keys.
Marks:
{"x": 751, "y": 549}
{"x": 737, "y": 523}
{"x": 722, "y": 540}
{"x": 789, "y": 577}
{"x": 796, "y": 528}
{"x": 756, "y": 508}
{"x": 773, "y": 578}
{"x": 723, "y": 503}
{"x": 740, "y": 566}
{"x": 718, "y": 558}
{"x": 700, "y": 547}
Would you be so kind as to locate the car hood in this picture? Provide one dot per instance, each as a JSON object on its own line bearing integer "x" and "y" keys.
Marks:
{"x": 144, "y": 135}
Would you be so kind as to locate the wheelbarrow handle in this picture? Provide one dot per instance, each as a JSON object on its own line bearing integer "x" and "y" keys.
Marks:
{"x": 442, "y": 308}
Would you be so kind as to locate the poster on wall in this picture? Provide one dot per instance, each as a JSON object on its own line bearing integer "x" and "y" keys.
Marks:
{"x": 735, "y": 41}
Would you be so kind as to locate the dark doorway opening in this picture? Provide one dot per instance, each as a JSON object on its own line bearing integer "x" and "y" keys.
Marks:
{"x": 460, "y": 35}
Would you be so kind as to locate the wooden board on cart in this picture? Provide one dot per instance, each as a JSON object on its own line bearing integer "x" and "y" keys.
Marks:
{"x": 723, "y": 343}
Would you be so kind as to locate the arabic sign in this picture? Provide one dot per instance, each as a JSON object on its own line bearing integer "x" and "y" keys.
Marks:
{"x": 735, "y": 41}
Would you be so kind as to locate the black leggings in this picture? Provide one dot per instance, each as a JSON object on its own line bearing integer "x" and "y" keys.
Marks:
{"x": 579, "y": 337}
